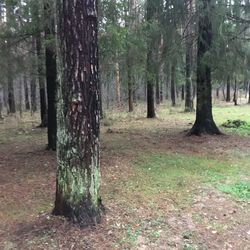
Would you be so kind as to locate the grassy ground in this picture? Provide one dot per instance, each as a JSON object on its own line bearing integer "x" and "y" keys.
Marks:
{"x": 161, "y": 189}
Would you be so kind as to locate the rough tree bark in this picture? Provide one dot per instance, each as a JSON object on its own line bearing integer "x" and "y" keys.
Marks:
{"x": 78, "y": 174}
{"x": 204, "y": 119}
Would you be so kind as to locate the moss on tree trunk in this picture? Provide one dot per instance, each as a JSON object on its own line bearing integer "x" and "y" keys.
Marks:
{"x": 78, "y": 175}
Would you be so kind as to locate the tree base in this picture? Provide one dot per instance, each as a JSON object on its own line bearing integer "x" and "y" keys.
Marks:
{"x": 82, "y": 215}
{"x": 52, "y": 148}
{"x": 208, "y": 128}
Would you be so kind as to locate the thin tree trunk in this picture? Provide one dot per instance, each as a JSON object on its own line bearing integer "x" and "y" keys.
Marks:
{"x": 130, "y": 89}
{"x": 20, "y": 97}
{"x": 218, "y": 93}
{"x": 157, "y": 89}
{"x": 173, "y": 87}
{"x": 41, "y": 81}
{"x": 228, "y": 98}
{"x": 108, "y": 95}
{"x": 249, "y": 93}
{"x": 182, "y": 92}
{"x": 26, "y": 92}
{"x": 235, "y": 93}
{"x": 189, "y": 104}
{"x": 161, "y": 92}
{"x": 33, "y": 96}
{"x": 1, "y": 102}
{"x": 167, "y": 83}
{"x": 117, "y": 83}
{"x": 10, "y": 83}
{"x": 11, "y": 96}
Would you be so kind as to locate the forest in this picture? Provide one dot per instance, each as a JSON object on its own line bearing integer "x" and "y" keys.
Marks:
{"x": 125, "y": 124}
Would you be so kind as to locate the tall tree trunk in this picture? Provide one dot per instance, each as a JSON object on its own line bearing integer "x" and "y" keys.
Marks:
{"x": 157, "y": 90}
{"x": 130, "y": 88}
{"x": 228, "y": 97}
{"x": 108, "y": 94}
{"x": 173, "y": 87}
{"x": 26, "y": 92}
{"x": 204, "y": 119}
{"x": 51, "y": 77}
{"x": 218, "y": 93}
{"x": 41, "y": 81}
{"x": 10, "y": 83}
{"x": 161, "y": 92}
{"x": 20, "y": 97}
{"x": 36, "y": 19}
{"x": 78, "y": 174}
{"x": 1, "y": 102}
{"x": 11, "y": 96}
{"x": 235, "y": 93}
{"x": 150, "y": 67}
{"x": 189, "y": 104}
{"x": 182, "y": 92}
{"x": 33, "y": 96}
{"x": 249, "y": 93}
{"x": 117, "y": 82}
{"x": 130, "y": 24}
{"x": 167, "y": 82}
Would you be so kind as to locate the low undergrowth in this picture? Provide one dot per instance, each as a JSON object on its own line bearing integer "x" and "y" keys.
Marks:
{"x": 176, "y": 173}
{"x": 238, "y": 126}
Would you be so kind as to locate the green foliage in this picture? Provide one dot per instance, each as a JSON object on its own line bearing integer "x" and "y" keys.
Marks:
{"x": 240, "y": 190}
{"x": 240, "y": 126}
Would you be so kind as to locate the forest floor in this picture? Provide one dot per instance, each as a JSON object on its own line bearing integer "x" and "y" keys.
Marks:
{"x": 161, "y": 189}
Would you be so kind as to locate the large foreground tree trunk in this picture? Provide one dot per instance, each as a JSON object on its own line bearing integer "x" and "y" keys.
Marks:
{"x": 204, "y": 119}
{"x": 78, "y": 174}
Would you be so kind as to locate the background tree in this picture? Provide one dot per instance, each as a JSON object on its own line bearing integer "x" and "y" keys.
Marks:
{"x": 204, "y": 119}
